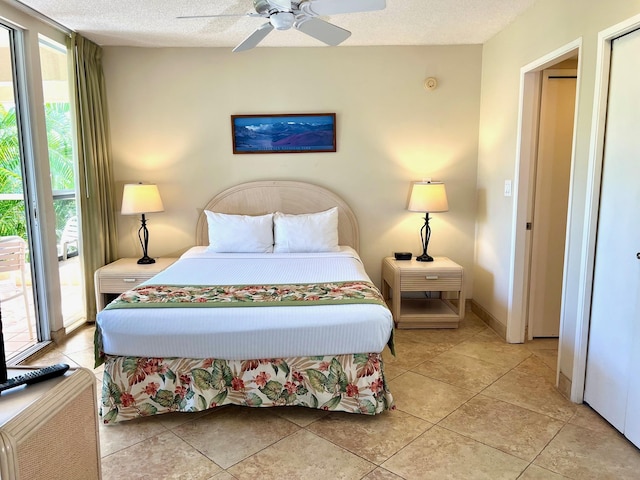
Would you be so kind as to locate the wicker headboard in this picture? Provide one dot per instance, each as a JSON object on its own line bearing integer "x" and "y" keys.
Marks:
{"x": 259, "y": 198}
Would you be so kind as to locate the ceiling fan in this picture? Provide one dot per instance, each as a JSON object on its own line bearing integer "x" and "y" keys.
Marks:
{"x": 301, "y": 15}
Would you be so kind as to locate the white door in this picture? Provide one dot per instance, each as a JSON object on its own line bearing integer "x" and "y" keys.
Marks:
{"x": 632, "y": 420}
{"x": 613, "y": 361}
{"x": 553, "y": 173}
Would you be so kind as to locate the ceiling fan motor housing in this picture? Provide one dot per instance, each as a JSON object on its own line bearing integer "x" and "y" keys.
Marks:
{"x": 280, "y": 18}
{"x": 261, "y": 6}
{"x": 265, "y": 7}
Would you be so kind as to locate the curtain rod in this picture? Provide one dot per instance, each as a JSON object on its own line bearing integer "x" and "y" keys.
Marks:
{"x": 42, "y": 17}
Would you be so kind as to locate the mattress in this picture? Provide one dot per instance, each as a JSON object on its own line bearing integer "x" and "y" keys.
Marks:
{"x": 250, "y": 332}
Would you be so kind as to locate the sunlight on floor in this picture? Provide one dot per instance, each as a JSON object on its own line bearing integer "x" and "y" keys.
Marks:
{"x": 16, "y": 320}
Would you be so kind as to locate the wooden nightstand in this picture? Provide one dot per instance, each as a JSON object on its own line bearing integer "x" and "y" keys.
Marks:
{"x": 428, "y": 311}
{"x": 124, "y": 274}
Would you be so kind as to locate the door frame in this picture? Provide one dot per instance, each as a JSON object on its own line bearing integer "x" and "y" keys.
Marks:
{"x": 594, "y": 180}
{"x": 526, "y": 154}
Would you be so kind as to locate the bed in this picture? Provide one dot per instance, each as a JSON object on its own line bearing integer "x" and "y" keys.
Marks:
{"x": 247, "y": 319}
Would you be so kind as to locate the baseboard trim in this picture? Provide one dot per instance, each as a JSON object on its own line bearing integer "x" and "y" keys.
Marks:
{"x": 58, "y": 336}
{"x": 564, "y": 385}
{"x": 492, "y": 322}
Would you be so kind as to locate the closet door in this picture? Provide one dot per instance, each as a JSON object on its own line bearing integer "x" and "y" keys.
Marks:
{"x": 612, "y": 383}
{"x": 632, "y": 420}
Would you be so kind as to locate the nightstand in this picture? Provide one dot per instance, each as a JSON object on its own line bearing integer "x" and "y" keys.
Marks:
{"x": 432, "y": 284}
{"x": 124, "y": 274}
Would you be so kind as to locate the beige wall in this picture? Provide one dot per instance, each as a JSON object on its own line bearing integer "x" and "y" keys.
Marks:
{"x": 547, "y": 26}
{"x": 169, "y": 113}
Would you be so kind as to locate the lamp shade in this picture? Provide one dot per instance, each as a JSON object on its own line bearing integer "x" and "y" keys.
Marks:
{"x": 141, "y": 198}
{"x": 428, "y": 197}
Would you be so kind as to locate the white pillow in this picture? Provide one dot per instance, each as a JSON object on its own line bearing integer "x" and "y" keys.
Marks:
{"x": 307, "y": 232}
{"x": 240, "y": 233}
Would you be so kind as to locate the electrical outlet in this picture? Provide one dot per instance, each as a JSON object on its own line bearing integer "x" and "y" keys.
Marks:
{"x": 507, "y": 188}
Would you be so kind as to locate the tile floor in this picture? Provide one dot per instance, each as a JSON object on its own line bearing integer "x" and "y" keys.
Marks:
{"x": 469, "y": 406}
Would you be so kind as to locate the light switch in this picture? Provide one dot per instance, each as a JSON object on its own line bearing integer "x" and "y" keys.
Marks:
{"x": 507, "y": 188}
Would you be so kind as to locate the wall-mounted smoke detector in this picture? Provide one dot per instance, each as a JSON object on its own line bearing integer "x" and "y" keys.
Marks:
{"x": 430, "y": 83}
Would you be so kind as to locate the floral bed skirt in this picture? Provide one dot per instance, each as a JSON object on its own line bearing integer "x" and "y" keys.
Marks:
{"x": 139, "y": 386}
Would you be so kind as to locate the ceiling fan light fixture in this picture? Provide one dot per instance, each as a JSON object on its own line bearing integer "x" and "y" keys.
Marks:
{"x": 282, "y": 20}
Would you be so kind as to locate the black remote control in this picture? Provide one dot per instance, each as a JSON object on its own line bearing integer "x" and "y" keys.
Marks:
{"x": 35, "y": 376}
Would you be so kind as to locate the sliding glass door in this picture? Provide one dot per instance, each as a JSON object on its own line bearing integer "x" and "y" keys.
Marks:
{"x": 57, "y": 110}
{"x": 19, "y": 311}
{"x": 41, "y": 284}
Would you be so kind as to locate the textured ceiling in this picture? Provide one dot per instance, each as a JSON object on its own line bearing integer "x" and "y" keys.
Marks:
{"x": 153, "y": 23}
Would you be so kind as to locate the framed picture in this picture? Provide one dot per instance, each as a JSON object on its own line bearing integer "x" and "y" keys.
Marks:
{"x": 285, "y": 133}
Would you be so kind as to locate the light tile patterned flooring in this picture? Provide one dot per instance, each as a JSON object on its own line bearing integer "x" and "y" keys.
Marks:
{"x": 469, "y": 406}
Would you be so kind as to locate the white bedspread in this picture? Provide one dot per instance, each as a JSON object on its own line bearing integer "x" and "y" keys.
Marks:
{"x": 248, "y": 333}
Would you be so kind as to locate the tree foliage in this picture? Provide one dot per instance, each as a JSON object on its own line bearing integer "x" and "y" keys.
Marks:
{"x": 12, "y": 212}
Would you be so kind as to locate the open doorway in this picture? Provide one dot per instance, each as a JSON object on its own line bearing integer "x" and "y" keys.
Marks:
{"x": 523, "y": 255}
{"x": 548, "y": 217}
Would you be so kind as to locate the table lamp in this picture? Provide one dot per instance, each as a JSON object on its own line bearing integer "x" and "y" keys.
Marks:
{"x": 138, "y": 198}
{"x": 427, "y": 197}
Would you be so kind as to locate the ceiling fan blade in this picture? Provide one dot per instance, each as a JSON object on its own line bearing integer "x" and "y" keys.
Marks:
{"x": 223, "y": 15}
{"x": 323, "y": 31}
{"x": 334, "y": 7}
{"x": 282, "y": 5}
{"x": 255, "y": 38}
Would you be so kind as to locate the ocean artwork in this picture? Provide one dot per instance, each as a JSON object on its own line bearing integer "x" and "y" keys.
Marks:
{"x": 285, "y": 133}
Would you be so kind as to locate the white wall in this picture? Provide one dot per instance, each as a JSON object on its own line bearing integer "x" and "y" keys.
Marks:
{"x": 547, "y": 26}
{"x": 170, "y": 123}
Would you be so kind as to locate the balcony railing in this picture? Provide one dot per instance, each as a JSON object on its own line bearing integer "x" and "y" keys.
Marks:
{"x": 64, "y": 205}
{"x": 18, "y": 312}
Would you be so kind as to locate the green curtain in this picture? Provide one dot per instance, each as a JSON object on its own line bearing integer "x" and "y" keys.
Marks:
{"x": 96, "y": 186}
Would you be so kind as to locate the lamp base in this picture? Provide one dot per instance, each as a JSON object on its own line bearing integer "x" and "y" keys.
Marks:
{"x": 425, "y": 257}
{"x": 146, "y": 260}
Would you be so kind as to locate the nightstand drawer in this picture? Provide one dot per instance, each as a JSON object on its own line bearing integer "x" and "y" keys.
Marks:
{"x": 121, "y": 284}
{"x": 431, "y": 281}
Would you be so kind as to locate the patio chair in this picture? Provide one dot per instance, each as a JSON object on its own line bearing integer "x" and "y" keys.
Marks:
{"x": 13, "y": 251}
{"x": 69, "y": 236}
